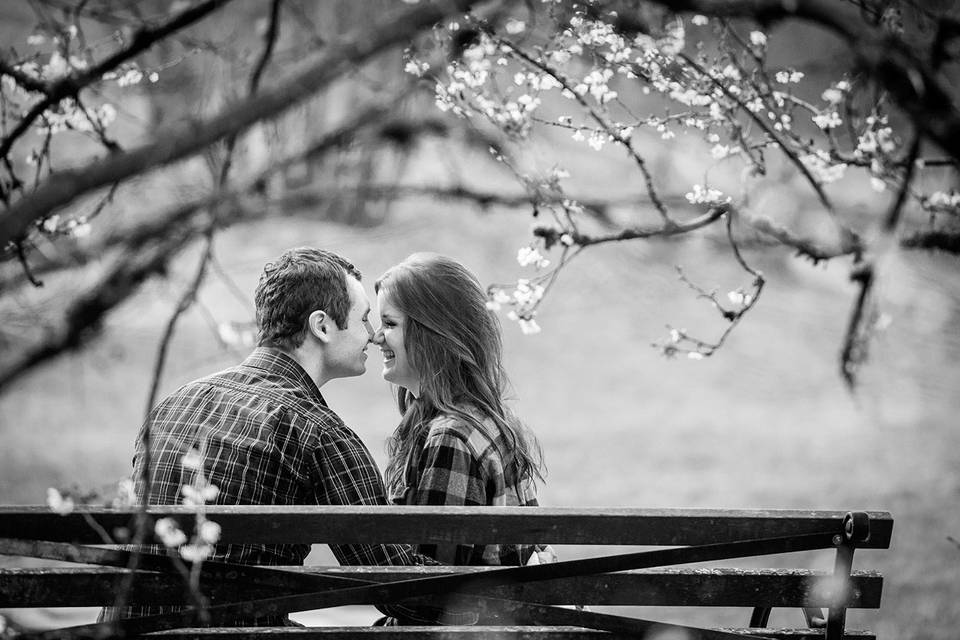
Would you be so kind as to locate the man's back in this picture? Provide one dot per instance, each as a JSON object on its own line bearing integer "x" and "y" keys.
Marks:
{"x": 258, "y": 428}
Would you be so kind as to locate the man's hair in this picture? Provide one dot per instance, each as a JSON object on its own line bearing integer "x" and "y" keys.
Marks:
{"x": 295, "y": 285}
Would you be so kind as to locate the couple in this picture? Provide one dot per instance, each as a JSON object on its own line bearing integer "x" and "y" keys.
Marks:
{"x": 267, "y": 436}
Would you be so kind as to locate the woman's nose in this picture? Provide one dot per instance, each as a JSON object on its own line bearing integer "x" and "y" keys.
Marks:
{"x": 378, "y": 336}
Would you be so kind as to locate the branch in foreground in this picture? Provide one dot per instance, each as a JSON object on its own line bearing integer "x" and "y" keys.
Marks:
{"x": 88, "y": 310}
{"x": 183, "y": 141}
{"x": 151, "y": 254}
{"x": 848, "y": 245}
{"x": 72, "y": 84}
{"x": 948, "y": 241}
{"x": 159, "y": 222}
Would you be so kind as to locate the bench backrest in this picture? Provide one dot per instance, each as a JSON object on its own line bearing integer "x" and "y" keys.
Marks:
{"x": 690, "y": 535}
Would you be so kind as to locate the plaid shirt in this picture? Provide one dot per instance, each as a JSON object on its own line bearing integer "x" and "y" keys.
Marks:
{"x": 267, "y": 437}
{"x": 458, "y": 464}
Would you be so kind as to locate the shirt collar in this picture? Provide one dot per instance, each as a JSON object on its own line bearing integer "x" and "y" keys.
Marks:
{"x": 282, "y": 364}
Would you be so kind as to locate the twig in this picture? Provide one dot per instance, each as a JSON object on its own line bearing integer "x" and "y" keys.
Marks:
{"x": 702, "y": 348}
{"x": 853, "y": 352}
{"x": 22, "y": 256}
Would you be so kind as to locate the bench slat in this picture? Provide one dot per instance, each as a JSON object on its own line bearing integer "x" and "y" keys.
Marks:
{"x": 480, "y": 525}
{"x": 466, "y": 633}
{"x": 95, "y": 586}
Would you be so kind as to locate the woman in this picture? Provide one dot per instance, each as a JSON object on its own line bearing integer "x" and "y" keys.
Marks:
{"x": 457, "y": 444}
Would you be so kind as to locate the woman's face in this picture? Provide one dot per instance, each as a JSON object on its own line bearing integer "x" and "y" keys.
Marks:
{"x": 396, "y": 365}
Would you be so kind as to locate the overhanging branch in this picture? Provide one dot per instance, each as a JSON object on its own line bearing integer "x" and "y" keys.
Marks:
{"x": 190, "y": 138}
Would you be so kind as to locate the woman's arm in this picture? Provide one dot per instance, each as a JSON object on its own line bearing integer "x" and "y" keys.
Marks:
{"x": 451, "y": 475}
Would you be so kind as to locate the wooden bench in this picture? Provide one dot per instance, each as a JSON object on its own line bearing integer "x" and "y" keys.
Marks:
{"x": 522, "y": 596}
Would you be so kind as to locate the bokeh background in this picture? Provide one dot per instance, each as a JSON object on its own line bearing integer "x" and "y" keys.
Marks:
{"x": 765, "y": 423}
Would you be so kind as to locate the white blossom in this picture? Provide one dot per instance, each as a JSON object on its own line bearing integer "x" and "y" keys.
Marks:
{"x": 702, "y": 195}
{"x": 416, "y": 67}
{"x": 828, "y": 120}
{"x": 192, "y": 459}
{"x": 209, "y": 532}
{"x": 739, "y": 297}
{"x": 528, "y": 326}
{"x": 833, "y": 95}
{"x": 126, "y": 496}
{"x": 528, "y": 256}
{"x": 196, "y": 552}
{"x": 758, "y": 38}
{"x": 514, "y": 27}
{"x": 169, "y": 532}
{"x": 58, "y": 503}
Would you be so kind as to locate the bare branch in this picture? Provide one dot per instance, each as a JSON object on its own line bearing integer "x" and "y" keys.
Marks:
{"x": 854, "y": 352}
{"x": 805, "y": 246}
{"x": 674, "y": 228}
{"x": 948, "y": 241}
{"x": 186, "y": 140}
{"x": 89, "y": 308}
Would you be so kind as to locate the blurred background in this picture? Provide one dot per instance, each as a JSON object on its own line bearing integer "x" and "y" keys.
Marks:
{"x": 765, "y": 423}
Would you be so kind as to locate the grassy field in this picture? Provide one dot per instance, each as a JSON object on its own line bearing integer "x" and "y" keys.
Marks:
{"x": 766, "y": 423}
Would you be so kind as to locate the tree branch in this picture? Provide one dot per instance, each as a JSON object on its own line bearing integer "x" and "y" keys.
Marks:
{"x": 186, "y": 140}
{"x": 948, "y": 241}
{"x": 632, "y": 233}
{"x": 807, "y": 247}
{"x": 909, "y": 81}
{"x": 72, "y": 84}
{"x": 151, "y": 249}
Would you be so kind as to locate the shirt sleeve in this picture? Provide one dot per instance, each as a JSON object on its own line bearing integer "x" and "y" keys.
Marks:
{"x": 345, "y": 473}
{"x": 450, "y": 475}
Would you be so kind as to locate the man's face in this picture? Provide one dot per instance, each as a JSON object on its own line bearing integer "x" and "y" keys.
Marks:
{"x": 346, "y": 353}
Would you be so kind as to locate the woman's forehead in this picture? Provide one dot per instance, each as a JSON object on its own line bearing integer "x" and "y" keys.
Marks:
{"x": 385, "y": 303}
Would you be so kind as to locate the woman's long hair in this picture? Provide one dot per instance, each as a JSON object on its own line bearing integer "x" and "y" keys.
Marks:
{"x": 453, "y": 341}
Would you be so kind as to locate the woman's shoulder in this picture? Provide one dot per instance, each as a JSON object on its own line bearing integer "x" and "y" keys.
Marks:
{"x": 479, "y": 434}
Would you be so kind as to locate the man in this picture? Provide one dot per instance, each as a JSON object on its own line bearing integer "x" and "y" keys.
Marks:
{"x": 262, "y": 429}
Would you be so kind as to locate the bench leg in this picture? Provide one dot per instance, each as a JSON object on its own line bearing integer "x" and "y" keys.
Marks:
{"x": 760, "y": 616}
{"x": 837, "y": 616}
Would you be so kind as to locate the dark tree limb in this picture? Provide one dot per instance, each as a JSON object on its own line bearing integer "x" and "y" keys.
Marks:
{"x": 948, "y": 241}
{"x": 186, "y": 140}
{"x": 154, "y": 246}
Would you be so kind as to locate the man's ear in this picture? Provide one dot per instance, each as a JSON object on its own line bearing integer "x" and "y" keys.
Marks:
{"x": 318, "y": 324}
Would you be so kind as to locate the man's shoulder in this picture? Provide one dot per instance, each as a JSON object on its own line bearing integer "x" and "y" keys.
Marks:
{"x": 255, "y": 389}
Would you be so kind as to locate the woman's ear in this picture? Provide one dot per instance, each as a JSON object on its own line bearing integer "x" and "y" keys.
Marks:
{"x": 318, "y": 324}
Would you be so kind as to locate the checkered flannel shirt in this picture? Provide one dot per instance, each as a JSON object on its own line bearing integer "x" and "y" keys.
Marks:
{"x": 458, "y": 464}
{"x": 267, "y": 437}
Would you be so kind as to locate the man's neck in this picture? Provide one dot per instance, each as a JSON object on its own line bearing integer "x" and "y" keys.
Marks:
{"x": 311, "y": 363}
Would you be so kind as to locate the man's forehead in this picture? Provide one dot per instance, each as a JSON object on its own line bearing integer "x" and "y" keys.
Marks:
{"x": 358, "y": 295}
